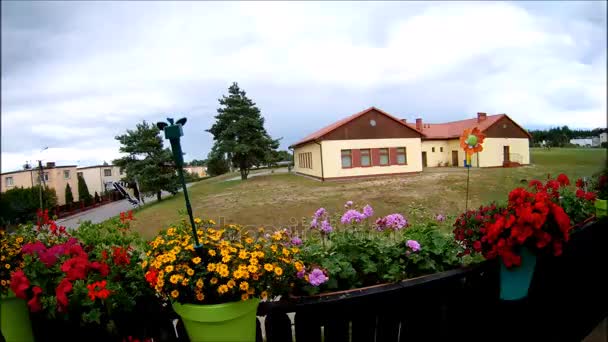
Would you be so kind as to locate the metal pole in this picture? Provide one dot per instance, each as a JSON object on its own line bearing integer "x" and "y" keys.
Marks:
{"x": 41, "y": 177}
{"x": 467, "y": 200}
{"x": 180, "y": 173}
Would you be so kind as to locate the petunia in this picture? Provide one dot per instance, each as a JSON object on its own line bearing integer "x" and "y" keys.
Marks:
{"x": 19, "y": 284}
{"x": 317, "y": 277}
{"x": 413, "y": 244}
{"x": 368, "y": 211}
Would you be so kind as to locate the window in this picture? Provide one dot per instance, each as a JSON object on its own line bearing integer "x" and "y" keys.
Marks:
{"x": 432, "y": 149}
{"x": 441, "y": 149}
{"x": 107, "y": 172}
{"x": 79, "y": 174}
{"x": 66, "y": 174}
{"x": 347, "y": 159}
{"x": 365, "y": 158}
{"x": 384, "y": 156}
{"x": 45, "y": 175}
{"x": 305, "y": 160}
{"x": 9, "y": 181}
{"x": 401, "y": 156}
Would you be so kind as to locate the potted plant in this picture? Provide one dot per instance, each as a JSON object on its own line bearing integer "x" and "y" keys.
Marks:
{"x": 216, "y": 290}
{"x": 14, "y": 316}
{"x": 531, "y": 223}
{"x": 84, "y": 282}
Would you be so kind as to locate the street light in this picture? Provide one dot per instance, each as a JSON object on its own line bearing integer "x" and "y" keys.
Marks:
{"x": 173, "y": 132}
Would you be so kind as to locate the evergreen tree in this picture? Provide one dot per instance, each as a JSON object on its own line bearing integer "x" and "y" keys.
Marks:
{"x": 83, "y": 191}
{"x": 239, "y": 132}
{"x": 97, "y": 199}
{"x": 147, "y": 160}
{"x": 217, "y": 164}
{"x": 69, "y": 198}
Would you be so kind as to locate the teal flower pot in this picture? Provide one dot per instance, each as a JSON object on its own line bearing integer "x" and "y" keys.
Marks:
{"x": 515, "y": 282}
{"x": 601, "y": 207}
{"x": 15, "y": 319}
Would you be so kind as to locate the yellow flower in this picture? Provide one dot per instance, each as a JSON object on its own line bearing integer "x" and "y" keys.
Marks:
{"x": 3, "y": 282}
{"x": 278, "y": 271}
{"x": 243, "y": 254}
{"x": 190, "y": 272}
{"x": 252, "y": 268}
{"x": 264, "y": 294}
{"x": 211, "y": 252}
{"x": 244, "y": 285}
{"x": 174, "y": 279}
{"x": 212, "y": 222}
{"x": 274, "y": 248}
{"x": 295, "y": 250}
{"x": 185, "y": 282}
{"x": 213, "y": 281}
{"x": 222, "y": 289}
{"x": 249, "y": 240}
{"x": 211, "y": 267}
{"x": 255, "y": 277}
{"x": 226, "y": 258}
{"x": 253, "y": 261}
{"x": 200, "y": 297}
{"x": 169, "y": 268}
{"x": 196, "y": 260}
{"x": 171, "y": 231}
{"x": 197, "y": 220}
{"x": 299, "y": 266}
{"x": 224, "y": 273}
{"x": 250, "y": 291}
{"x": 7, "y": 266}
{"x": 231, "y": 283}
{"x": 174, "y": 293}
{"x": 286, "y": 252}
{"x": 199, "y": 283}
{"x": 268, "y": 267}
{"x": 144, "y": 264}
{"x": 19, "y": 239}
{"x": 244, "y": 296}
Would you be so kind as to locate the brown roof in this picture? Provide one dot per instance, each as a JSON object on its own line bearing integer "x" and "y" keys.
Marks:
{"x": 323, "y": 131}
{"x": 452, "y": 130}
{"x": 35, "y": 169}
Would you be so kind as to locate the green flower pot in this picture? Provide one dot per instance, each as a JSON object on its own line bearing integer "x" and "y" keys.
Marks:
{"x": 515, "y": 281}
{"x": 600, "y": 207}
{"x": 232, "y": 322}
{"x": 15, "y": 319}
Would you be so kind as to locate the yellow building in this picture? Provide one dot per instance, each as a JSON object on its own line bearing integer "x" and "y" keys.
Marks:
{"x": 55, "y": 177}
{"x": 99, "y": 178}
{"x": 374, "y": 143}
{"x": 201, "y": 171}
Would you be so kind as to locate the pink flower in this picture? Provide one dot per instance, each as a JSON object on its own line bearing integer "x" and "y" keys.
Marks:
{"x": 413, "y": 244}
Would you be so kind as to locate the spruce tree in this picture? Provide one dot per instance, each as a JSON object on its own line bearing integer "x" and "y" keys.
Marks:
{"x": 69, "y": 198}
{"x": 239, "y": 132}
{"x": 83, "y": 191}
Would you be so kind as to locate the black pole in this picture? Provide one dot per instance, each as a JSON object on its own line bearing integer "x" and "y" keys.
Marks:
{"x": 466, "y": 207}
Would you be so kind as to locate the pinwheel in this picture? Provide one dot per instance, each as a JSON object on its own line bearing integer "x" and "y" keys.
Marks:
{"x": 470, "y": 141}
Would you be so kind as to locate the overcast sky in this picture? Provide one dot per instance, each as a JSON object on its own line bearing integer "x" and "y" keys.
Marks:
{"x": 74, "y": 75}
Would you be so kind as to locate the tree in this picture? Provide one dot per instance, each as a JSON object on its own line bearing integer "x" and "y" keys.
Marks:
{"x": 19, "y": 205}
{"x": 69, "y": 197}
{"x": 97, "y": 199}
{"x": 83, "y": 191}
{"x": 217, "y": 164}
{"x": 147, "y": 160}
{"x": 196, "y": 162}
{"x": 239, "y": 131}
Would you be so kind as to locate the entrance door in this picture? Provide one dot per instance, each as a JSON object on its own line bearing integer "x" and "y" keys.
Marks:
{"x": 505, "y": 152}
{"x": 454, "y": 158}
{"x": 423, "y": 159}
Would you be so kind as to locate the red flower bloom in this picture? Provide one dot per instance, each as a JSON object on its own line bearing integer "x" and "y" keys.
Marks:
{"x": 563, "y": 179}
{"x": 535, "y": 184}
{"x": 19, "y": 284}
{"x": 34, "y": 303}
{"x": 477, "y": 246}
{"x": 100, "y": 267}
{"x": 590, "y": 196}
{"x": 98, "y": 290}
{"x": 152, "y": 277}
{"x": 75, "y": 268}
{"x": 579, "y": 183}
{"x": 61, "y": 293}
{"x": 120, "y": 256}
{"x": 580, "y": 193}
{"x": 104, "y": 255}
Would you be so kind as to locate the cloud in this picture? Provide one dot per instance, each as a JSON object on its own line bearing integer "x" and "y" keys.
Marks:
{"x": 74, "y": 75}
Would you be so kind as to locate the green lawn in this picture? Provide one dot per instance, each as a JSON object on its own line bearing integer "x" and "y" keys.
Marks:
{"x": 287, "y": 200}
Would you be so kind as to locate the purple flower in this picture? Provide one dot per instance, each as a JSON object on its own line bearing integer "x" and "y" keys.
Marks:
{"x": 313, "y": 223}
{"x": 348, "y": 204}
{"x": 368, "y": 211}
{"x": 413, "y": 244}
{"x": 440, "y": 218}
{"x": 352, "y": 216}
{"x": 392, "y": 221}
{"x": 326, "y": 227}
{"x": 317, "y": 277}
{"x": 301, "y": 274}
{"x": 320, "y": 212}
{"x": 296, "y": 241}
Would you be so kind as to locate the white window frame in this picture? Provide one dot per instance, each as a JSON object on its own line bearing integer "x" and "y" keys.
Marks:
{"x": 104, "y": 172}
{"x": 12, "y": 181}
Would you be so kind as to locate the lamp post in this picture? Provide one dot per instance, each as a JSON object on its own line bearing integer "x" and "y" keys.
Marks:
{"x": 173, "y": 132}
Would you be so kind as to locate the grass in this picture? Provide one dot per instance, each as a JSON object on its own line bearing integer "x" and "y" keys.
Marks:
{"x": 282, "y": 200}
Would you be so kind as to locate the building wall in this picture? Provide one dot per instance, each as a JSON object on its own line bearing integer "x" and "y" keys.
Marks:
{"x": 332, "y": 159}
{"x": 315, "y": 153}
{"x": 23, "y": 179}
{"x": 199, "y": 170}
{"x": 96, "y": 179}
{"x": 56, "y": 180}
{"x": 434, "y": 158}
{"x": 492, "y": 154}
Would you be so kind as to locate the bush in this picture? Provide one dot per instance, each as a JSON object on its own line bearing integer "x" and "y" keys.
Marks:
{"x": 19, "y": 205}
{"x": 83, "y": 191}
{"x": 69, "y": 197}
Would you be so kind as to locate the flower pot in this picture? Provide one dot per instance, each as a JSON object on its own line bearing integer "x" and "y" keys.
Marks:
{"x": 515, "y": 282}
{"x": 15, "y": 319}
{"x": 600, "y": 207}
{"x": 235, "y": 321}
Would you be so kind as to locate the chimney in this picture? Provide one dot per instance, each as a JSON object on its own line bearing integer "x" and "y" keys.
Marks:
{"x": 50, "y": 164}
{"x": 481, "y": 117}
{"x": 404, "y": 120}
{"x": 419, "y": 124}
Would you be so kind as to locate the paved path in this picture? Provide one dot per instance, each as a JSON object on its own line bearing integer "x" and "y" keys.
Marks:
{"x": 260, "y": 173}
{"x": 106, "y": 211}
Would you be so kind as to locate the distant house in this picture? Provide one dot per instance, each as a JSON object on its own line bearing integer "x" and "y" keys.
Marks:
{"x": 54, "y": 177}
{"x": 586, "y": 142}
{"x": 201, "y": 171}
{"x": 373, "y": 142}
{"x": 99, "y": 178}
{"x": 603, "y": 138}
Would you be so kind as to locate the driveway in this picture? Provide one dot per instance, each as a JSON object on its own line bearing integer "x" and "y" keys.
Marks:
{"x": 260, "y": 173}
{"x": 106, "y": 211}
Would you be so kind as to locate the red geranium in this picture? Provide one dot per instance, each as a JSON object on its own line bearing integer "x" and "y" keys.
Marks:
{"x": 152, "y": 277}
{"x": 19, "y": 284}
{"x": 34, "y": 303}
{"x": 120, "y": 256}
{"x": 61, "y": 292}
{"x": 75, "y": 268}
{"x": 563, "y": 179}
{"x": 98, "y": 290}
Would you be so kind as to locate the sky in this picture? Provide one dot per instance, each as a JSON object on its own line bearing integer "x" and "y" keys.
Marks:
{"x": 76, "y": 74}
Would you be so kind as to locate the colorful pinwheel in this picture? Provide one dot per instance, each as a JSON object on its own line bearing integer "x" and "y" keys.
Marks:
{"x": 471, "y": 141}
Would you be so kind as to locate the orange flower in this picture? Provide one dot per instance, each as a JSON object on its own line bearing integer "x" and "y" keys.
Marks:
{"x": 464, "y": 140}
